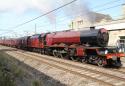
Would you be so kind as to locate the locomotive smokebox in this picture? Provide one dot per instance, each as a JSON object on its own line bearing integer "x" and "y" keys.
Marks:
{"x": 97, "y": 37}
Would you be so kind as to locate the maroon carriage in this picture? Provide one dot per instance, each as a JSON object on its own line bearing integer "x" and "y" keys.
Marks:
{"x": 35, "y": 43}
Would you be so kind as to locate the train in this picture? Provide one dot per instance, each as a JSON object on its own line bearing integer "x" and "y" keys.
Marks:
{"x": 88, "y": 46}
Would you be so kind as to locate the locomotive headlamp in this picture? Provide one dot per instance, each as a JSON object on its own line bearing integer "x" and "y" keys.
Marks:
{"x": 106, "y": 51}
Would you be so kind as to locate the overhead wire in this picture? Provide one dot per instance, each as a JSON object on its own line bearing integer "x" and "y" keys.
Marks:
{"x": 107, "y": 3}
{"x": 45, "y": 14}
{"x": 108, "y": 8}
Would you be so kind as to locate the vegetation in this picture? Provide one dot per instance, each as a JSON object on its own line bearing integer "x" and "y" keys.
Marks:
{"x": 36, "y": 83}
{"x": 9, "y": 72}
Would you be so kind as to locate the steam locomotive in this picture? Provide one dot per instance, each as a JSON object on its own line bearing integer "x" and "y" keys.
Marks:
{"x": 89, "y": 46}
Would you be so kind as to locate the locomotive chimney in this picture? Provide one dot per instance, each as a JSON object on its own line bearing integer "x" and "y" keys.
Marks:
{"x": 92, "y": 28}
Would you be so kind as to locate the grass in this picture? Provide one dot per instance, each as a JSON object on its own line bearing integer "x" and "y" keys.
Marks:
{"x": 9, "y": 71}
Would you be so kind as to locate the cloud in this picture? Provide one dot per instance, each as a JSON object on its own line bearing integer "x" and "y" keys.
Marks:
{"x": 23, "y": 5}
{"x": 12, "y": 5}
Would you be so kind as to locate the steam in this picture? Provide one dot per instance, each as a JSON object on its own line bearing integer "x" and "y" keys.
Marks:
{"x": 79, "y": 9}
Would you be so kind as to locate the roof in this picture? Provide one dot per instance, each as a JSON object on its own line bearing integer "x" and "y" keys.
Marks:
{"x": 113, "y": 25}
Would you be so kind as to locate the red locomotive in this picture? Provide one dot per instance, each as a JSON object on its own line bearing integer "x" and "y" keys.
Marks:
{"x": 86, "y": 45}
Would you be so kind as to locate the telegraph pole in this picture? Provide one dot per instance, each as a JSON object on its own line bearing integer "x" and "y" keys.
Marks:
{"x": 35, "y": 28}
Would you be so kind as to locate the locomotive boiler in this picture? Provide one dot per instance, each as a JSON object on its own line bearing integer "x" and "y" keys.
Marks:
{"x": 98, "y": 37}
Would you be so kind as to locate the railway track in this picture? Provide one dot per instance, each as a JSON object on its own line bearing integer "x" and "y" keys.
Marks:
{"x": 112, "y": 71}
{"x": 96, "y": 75}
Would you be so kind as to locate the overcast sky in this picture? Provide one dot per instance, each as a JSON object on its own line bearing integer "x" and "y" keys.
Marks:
{"x": 15, "y": 12}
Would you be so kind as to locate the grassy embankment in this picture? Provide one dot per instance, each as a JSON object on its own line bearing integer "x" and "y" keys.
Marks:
{"x": 10, "y": 72}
